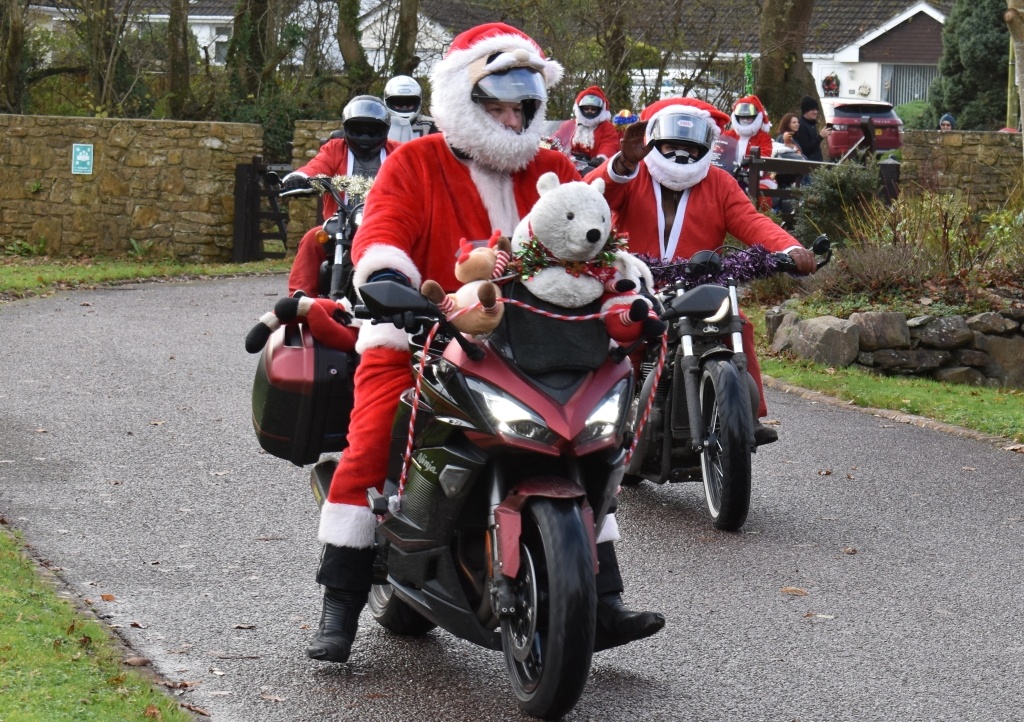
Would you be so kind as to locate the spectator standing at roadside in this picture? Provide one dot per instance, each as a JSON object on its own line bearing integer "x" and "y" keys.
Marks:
{"x": 947, "y": 122}
{"x": 808, "y": 137}
{"x": 787, "y": 132}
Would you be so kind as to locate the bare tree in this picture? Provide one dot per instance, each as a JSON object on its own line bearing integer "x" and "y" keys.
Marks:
{"x": 782, "y": 77}
{"x": 12, "y": 52}
{"x": 1014, "y": 17}
{"x": 178, "y": 65}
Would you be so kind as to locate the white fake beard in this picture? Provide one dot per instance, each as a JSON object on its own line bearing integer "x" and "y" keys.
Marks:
{"x": 583, "y": 135}
{"x": 676, "y": 175}
{"x": 498, "y": 196}
{"x": 748, "y": 130}
{"x": 490, "y": 143}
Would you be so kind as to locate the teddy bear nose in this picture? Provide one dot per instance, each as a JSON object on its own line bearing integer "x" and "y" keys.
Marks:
{"x": 594, "y": 235}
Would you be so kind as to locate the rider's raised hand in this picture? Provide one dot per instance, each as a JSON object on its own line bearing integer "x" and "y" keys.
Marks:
{"x": 632, "y": 148}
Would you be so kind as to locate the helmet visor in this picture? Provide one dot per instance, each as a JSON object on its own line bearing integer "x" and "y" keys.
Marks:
{"x": 681, "y": 128}
{"x": 367, "y": 109}
{"x": 591, "y": 100}
{"x": 745, "y": 110}
{"x": 511, "y": 86}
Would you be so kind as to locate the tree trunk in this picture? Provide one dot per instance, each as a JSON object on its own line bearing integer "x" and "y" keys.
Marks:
{"x": 782, "y": 77}
{"x": 358, "y": 69}
{"x": 1014, "y": 17}
{"x": 406, "y": 60}
{"x": 12, "y": 51}
{"x": 615, "y": 43}
{"x": 177, "y": 46}
{"x": 247, "y": 50}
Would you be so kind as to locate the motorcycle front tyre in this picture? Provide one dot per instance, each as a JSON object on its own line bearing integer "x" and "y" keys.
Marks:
{"x": 549, "y": 641}
{"x": 728, "y": 431}
{"x": 394, "y": 614}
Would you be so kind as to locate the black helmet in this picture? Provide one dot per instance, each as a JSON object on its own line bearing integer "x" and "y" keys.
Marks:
{"x": 516, "y": 85}
{"x": 683, "y": 128}
{"x": 366, "y": 123}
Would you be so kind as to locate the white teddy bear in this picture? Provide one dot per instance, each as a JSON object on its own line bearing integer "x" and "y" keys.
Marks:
{"x": 565, "y": 253}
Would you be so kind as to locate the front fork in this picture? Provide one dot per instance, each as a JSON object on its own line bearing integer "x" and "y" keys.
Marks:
{"x": 691, "y": 367}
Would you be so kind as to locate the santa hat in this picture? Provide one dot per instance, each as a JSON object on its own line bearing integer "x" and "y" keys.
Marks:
{"x": 690, "y": 106}
{"x": 474, "y": 54}
{"x": 766, "y": 125}
{"x": 593, "y": 90}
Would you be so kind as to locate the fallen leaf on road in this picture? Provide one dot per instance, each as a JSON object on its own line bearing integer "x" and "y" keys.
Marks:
{"x": 152, "y": 711}
{"x": 219, "y": 473}
{"x": 180, "y": 685}
{"x": 40, "y": 431}
{"x": 824, "y": 472}
{"x": 138, "y": 662}
{"x": 244, "y": 626}
{"x": 157, "y": 423}
{"x": 272, "y": 698}
{"x": 968, "y": 468}
{"x": 216, "y": 671}
{"x": 1019, "y": 448}
{"x": 139, "y": 625}
{"x": 849, "y": 550}
{"x": 108, "y": 597}
{"x": 794, "y": 591}
{"x": 197, "y": 710}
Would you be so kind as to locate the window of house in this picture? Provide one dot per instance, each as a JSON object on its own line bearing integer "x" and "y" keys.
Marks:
{"x": 220, "y": 43}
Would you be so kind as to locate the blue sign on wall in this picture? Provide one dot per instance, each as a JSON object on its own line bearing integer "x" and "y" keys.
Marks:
{"x": 81, "y": 158}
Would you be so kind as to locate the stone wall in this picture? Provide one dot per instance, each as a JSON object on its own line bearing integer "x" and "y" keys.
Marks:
{"x": 985, "y": 165}
{"x": 302, "y": 211}
{"x": 984, "y": 349}
{"x": 166, "y": 185}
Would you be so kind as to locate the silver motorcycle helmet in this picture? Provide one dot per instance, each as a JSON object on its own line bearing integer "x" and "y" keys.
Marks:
{"x": 403, "y": 97}
{"x": 694, "y": 134}
{"x": 365, "y": 122}
{"x": 517, "y": 85}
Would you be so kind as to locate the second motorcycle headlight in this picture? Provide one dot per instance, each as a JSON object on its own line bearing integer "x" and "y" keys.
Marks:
{"x": 508, "y": 416}
{"x": 607, "y": 416}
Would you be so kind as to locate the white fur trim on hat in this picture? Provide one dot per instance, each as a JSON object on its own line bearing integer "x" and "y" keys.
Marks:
{"x": 465, "y": 124}
{"x": 752, "y": 128}
{"x": 590, "y": 122}
{"x": 345, "y": 525}
{"x": 380, "y": 256}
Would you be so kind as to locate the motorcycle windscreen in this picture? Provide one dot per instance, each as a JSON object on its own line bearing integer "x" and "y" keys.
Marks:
{"x": 539, "y": 344}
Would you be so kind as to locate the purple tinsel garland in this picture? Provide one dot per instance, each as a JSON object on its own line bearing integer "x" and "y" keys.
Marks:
{"x": 743, "y": 265}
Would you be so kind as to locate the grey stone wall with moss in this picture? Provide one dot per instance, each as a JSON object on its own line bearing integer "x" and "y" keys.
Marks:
{"x": 166, "y": 185}
{"x": 985, "y": 165}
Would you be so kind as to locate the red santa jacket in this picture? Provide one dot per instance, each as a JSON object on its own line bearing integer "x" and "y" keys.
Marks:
{"x": 333, "y": 160}
{"x": 448, "y": 208}
{"x": 759, "y": 139}
{"x": 714, "y": 207}
{"x": 606, "y": 141}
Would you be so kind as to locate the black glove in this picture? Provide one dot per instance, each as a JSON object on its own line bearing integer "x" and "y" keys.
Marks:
{"x": 295, "y": 184}
{"x": 405, "y": 321}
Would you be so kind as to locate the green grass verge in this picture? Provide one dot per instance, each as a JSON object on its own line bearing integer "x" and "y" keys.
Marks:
{"x": 33, "y": 276}
{"x": 58, "y": 664}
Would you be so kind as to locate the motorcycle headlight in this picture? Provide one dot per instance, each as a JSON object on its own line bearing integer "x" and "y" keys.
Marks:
{"x": 606, "y": 418}
{"x": 507, "y": 416}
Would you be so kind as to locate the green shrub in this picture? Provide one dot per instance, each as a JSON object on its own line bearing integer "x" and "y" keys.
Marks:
{"x": 916, "y": 115}
{"x": 836, "y": 194}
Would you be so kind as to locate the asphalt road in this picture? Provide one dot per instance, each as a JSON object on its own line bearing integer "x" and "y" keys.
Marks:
{"x": 128, "y": 459}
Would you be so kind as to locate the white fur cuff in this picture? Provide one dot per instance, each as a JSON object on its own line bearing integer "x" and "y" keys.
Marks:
{"x": 609, "y": 530}
{"x": 381, "y": 335}
{"x": 344, "y": 525}
{"x": 380, "y": 256}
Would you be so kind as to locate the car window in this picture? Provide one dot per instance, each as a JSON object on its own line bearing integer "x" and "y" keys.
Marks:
{"x": 877, "y": 111}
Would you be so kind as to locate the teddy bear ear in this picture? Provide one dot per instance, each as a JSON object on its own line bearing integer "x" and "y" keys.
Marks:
{"x": 599, "y": 184}
{"x": 547, "y": 182}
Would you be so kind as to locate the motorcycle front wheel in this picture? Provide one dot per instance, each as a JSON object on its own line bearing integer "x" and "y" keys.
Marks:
{"x": 549, "y": 640}
{"x": 394, "y": 614}
{"x": 728, "y": 431}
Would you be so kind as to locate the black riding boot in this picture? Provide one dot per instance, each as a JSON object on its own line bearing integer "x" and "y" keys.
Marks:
{"x": 616, "y": 624}
{"x": 346, "y": 575}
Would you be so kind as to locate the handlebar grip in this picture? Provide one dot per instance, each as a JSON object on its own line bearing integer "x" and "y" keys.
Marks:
{"x": 297, "y": 192}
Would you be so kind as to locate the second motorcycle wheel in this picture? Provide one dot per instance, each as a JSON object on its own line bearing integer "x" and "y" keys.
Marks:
{"x": 549, "y": 641}
{"x": 395, "y": 615}
{"x": 725, "y": 461}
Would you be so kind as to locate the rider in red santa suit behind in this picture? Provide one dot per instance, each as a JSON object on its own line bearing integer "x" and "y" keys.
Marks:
{"x": 665, "y": 193}
{"x": 594, "y": 136}
{"x": 360, "y": 150}
{"x": 478, "y": 174}
{"x": 750, "y": 127}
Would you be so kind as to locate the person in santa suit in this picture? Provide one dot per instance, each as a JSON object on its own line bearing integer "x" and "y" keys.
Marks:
{"x": 751, "y": 129}
{"x": 489, "y": 100}
{"x": 359, "y": 149}
{"x": 594, "y": 137}
{"x": 665, "y": 193}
